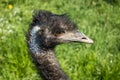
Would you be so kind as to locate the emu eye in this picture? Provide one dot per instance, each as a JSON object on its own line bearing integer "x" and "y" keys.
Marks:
{"x": 59, "y": 33}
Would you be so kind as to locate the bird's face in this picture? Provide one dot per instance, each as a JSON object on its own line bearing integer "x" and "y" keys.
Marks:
{"x": 64, "y": 34}
{"x": 57, "y": 29}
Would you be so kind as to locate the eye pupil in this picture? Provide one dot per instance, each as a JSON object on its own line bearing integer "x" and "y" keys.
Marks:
{"x": 58, "y": 33}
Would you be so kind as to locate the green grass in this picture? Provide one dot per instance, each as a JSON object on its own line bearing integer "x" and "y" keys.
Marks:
{"x": 99, "y": 19}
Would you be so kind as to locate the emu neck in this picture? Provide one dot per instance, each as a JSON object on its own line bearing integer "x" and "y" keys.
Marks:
{"x": 44, "y": 59}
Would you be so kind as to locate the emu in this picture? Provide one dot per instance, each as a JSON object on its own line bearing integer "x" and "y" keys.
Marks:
{"x": 46, "y": 31}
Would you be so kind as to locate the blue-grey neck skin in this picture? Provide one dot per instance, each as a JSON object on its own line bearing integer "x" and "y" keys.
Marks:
{"x": 44, "y": 59}
{"x": 34, "y": 41}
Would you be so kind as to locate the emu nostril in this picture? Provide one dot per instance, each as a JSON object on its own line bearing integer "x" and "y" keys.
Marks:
{"x": 84, "y": 38}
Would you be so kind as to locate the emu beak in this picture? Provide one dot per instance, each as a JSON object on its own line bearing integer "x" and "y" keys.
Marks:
{"x": 76, "y": 37}
{"x": 80, "y": 37}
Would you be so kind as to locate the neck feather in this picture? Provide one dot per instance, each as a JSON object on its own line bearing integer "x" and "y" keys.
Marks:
{"x": 44, "y": 59}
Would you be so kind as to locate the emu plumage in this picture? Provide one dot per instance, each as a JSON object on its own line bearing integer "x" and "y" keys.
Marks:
{"x": 46, "y": 31}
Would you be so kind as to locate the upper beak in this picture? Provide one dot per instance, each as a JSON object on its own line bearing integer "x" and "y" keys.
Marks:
{"x": 80, "y": 37}
{"x": 76, "y": 37}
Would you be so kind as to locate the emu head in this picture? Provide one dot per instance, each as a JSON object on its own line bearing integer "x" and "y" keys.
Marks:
{"x": 52, "y": 29}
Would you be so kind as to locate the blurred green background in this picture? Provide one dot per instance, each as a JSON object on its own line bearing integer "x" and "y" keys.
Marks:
{"x": 99, "y": 19}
